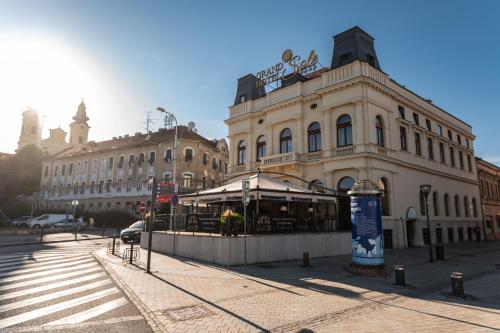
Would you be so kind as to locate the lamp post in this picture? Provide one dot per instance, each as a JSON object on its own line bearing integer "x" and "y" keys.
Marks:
{"x": 74, "y": 203}
{"x": 169, "y": 117}
{"x": 424, "y": 191}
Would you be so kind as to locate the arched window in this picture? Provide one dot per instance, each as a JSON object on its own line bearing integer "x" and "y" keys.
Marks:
{"x": 446, "y": 204}
{"x": 474, "y": 207}
{"x": 168, "y": 155}
{"x": 261, "y": 147}
{"x": 188, "y": 155}
{"x": 286, "y": 141}
{"x": 383, "y": 185}
{"x": 466, "y": 207}
{"x": 317, "y": 185}
{"x": 457, "y": 206}
{"x": 242, "y": 152}
{"x": 379, "y": 126}
{"x": 214, "y": 163}
{"x": 435, "y": 203}
{"x": 314, "y": 137}
{"x": 344, "y": 131}
{"x": 345, "y": 184}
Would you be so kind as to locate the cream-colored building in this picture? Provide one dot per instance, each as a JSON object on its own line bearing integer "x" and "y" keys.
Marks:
{"x": 489, "y": 186}
{"x": 114, "y": 174}
{"x": 352, "y": 121}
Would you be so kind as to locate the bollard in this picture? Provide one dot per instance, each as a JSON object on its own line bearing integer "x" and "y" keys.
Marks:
{"x": 76, "y": 231}
{"x": 306, "y": 262}
{"x": 131, "y": 251}
{"x": 113, "y": 248}
{"x": 440, "y": 252}
{"x": 41, "y": 234}
{"x": 399, "y": 274}
{"x": 457, "y": 284}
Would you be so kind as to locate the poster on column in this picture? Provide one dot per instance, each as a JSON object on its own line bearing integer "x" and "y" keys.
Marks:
{"x": 367, "y": 239}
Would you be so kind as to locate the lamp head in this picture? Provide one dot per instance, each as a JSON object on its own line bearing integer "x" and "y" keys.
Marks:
{"x": 425, "y": 189}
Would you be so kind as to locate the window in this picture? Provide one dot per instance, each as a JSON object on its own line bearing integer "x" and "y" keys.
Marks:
{"x": 140, "y": 162}
{"x": 188, "y": 155}
{"x": 204, "y": 182}
{"x": 461, "y": 159}
{"x": 46, "y": 171}
{"x": 441, "y": 153}
{"x": 474, "y": 207}
{"x": 457, "y": 206}
{"x": 261, "y": 148}
{"x": 108, "y": 186}
{"x": 243, "y": 98}
{"x": 428, "y": 124}
{"x": 121, "y": 162}
{"x": 415, "y": 119}
{"x": 344, "y": 131}
{"x": 92, "y": 187}
{"x": 75, "y": 189}
{"x": 63, "y": 170}
{"x": 345, "y": 184}
{"x": 430, "y": 148}
{"x": 131, "y": 161}
{"x": 450, "y": 235}
{"x": 452, "y": 157}
{"x": 435, "y": 203}
{"x": 242, "y": 152}
{"x": 401, "y": 111}
{"x": 187, "y": 181}
{"x": 370, "y": 60}
{"x": 446, "y": 204}
{"x": 167, "y": 157}
{"x": 225, "y": 167}
{"x": 119, "y": 185}
{"x": 214, "y": 163}
{"x": 68, "y": 188}
{"x": 440, "y": 130}
{"x": 466, "y": 207}
{"x": 450, "y": 135}
{"x": 418, "y": 148}
{"x": 459, "y": 139}
{"x": 82, "y": 188}
{"x": 423, "y": 206}
{"x": 467, "y": 144}
{"x": 286, "y": 141}
{"x": 314, "y": 137}
{"x": 70, "y": 171}
{"x": 220, "y": 166}
{"x": 469, "y": 163}
{"x": 110, "y": 163}
{"x": 403, "y": 139}
{"x": 205, "y": 158}
{"x": 345, "y": 58}
{"x": 129, "y": 185}
{"x": 101, "y": 186}
{"x": 379, "y": 127}
{"x": 56, "y": 169}
{"x": 384, "y": 188}
{"x": 152, "y": 157}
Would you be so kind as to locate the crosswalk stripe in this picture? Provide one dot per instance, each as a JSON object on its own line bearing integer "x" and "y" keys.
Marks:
{"x": 47, "y": 266}
{"x": 53, "y": 271}
{"x": 46, "y": 287}
{"x": 55, "y": 308}
{"x": 54, "y": 295}
{"x": 48, "y": 278}
{"x": 32, "y": 263}
{"x": 90, "y": 313}
{"x": 33, "y": 259}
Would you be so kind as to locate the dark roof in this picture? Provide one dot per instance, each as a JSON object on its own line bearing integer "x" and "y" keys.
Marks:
{"x": 490, "y": 164}
{"x": 133, "y": 141}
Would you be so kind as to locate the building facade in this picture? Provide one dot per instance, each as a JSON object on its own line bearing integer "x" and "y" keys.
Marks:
{"x": 351, "y": 121}
{"x": 115, "y": 174}
{"x": 489, "y": 185}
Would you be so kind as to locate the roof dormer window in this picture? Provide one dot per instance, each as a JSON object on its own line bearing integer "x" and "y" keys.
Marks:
{"x": 243, "y": 98}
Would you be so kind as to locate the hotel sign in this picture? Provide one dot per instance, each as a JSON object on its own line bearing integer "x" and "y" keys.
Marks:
{"x": 291, "y": 64}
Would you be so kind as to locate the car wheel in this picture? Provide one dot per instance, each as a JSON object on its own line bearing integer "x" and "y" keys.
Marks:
{"x": 36, "y": 226}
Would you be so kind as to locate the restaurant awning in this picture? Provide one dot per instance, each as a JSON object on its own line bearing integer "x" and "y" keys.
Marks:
{"x": 261, "y": 187}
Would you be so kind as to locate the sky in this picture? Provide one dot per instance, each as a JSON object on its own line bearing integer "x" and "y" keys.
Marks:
{"x": 125, "y": 58}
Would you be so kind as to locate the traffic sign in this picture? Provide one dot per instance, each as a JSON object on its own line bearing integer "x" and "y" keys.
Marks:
{"x": 246, "y": 191}
{"x": 142, "y": 207}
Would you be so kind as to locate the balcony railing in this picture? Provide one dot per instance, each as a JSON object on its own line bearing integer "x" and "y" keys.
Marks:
{"x": 281, "y": 158}
{"x": 342, "y": 151}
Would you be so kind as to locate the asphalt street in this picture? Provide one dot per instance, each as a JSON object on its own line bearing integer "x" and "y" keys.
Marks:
{"x": 61, "y": 288}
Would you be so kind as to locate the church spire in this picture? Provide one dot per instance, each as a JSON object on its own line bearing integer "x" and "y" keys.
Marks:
{"x": 81, "y": 114}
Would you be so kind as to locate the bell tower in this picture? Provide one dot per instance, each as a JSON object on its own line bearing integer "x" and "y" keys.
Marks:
{"x": 79, "y": 129}
{"x": 30, "y": 130}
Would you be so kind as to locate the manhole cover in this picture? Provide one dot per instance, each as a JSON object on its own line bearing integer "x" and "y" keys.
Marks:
{"x": 188, "y": 312}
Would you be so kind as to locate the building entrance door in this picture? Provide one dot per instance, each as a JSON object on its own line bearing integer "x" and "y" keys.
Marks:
{"x": 410, "y": 232}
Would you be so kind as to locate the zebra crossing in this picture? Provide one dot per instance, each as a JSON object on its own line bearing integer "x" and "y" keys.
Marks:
{"x": 62, "y": 287}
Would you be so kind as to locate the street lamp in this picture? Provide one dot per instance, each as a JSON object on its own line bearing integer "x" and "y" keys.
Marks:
{"x": 424, "y": 191}
{"x": 169, "y": 118}
{"x": 74, "y": 203}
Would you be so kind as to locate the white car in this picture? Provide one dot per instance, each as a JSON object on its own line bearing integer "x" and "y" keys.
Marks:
{"x": 48, "y": 220}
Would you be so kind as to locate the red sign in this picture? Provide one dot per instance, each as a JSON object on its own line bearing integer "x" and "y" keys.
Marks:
{"x": 142, "y": 207}
{"x": 165, "y": 192}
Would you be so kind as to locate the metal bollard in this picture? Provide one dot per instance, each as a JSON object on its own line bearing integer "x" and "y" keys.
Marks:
{"x": 113, "y": 248}
{"x": 440, "y": 252}
{"x": 131, "y": 251}
{"x": 457, "y": 284}
{"x": 399, "y": 274}
{"x": 306, "y": 262}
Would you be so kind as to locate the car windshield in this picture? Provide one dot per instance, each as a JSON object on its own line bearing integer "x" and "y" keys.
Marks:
{"x": 136, "y": 225}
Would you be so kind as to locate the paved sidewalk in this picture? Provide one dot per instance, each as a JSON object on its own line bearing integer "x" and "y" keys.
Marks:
{"x": 184, "y": 295}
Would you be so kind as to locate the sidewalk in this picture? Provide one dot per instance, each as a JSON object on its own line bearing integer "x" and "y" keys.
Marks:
{"x": 183, "y": 295}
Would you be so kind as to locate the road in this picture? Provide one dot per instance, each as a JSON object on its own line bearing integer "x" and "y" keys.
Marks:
{"x": 60, "y": 287}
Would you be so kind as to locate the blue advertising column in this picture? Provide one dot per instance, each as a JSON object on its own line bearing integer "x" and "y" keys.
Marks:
{"x": 366, "y": 219}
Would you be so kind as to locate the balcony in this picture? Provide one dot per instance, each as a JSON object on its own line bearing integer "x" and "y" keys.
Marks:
{"x": 279, "y": 159}
{"x": 342, "y": 151}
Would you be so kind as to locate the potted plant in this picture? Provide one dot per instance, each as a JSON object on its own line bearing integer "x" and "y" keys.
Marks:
{"x": 230, "y": 223}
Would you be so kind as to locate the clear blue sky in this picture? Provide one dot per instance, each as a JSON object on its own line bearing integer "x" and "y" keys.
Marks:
{"x": 187, "y": 55}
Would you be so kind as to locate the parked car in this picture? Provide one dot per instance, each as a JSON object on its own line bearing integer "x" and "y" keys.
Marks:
{"x": 48, "y": 220}
{"x": 132, "y": 233}
{"x": 21, "y": 221}
{"x": 68, "y": 223}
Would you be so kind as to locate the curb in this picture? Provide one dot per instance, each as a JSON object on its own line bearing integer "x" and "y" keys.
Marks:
{"x": 150, "y": 317}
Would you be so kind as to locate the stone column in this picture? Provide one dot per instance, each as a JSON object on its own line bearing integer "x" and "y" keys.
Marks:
{"x": 269, "y": 142}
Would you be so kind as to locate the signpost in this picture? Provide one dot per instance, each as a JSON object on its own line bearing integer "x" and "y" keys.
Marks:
{"x": 246, "y": 200}
{"x": 151, "y": 221}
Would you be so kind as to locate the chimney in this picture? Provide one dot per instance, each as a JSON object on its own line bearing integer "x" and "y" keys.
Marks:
{"x": 351, "y": 45}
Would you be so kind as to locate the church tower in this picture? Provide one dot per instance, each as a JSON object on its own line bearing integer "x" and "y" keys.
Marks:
{"x": 30, "y": 130}
{"x": 79, "y": 129}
